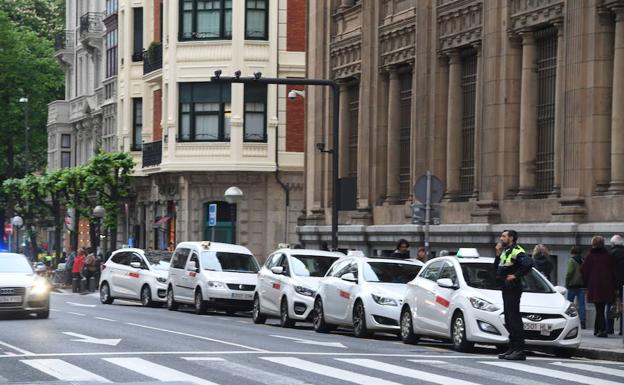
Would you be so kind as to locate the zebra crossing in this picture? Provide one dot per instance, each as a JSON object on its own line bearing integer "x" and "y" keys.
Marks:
{"x": 306, "y": 370}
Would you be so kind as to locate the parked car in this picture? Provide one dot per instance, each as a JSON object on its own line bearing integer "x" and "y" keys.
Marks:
{"x": 135, "y": 274}
{"x": 22, "y": 291}
{"x": 287, "y": 284}
{"x": 366, "y": 293}
{"x": 459, "y": 299}
{"x": 212, "y": 275}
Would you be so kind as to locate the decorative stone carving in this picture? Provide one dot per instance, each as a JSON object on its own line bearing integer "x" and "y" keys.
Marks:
{"x": 459, "y": 23}
{"x": 531, "y": 13}
{"x": 346, "y": 57}
{"x": 397, "y": 42}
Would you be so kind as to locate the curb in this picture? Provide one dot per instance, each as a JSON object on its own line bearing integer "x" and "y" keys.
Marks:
{"x": 600, "y": 354}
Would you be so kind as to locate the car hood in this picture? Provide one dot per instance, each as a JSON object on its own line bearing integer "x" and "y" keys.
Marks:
{"x": 16, "y": 279}
{"x": 529, "y": 302}
{"x": 228, "y": 277}
{"x": 309, "y": 282}
{"x": 393, "y": 290}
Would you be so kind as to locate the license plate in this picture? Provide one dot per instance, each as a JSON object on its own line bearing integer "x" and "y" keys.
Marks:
{"x": 544, "y": 329}
{"x": 241, "y": 296}
{"x": 11, "y": 299}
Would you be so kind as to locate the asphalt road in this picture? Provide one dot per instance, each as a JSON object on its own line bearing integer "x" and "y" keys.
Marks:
{"x": 87, "y": 342}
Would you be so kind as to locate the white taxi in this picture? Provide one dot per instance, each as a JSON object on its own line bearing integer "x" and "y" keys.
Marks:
{"x": 21, "y": 290}
{"x": 287, "y": 284}
{"x": 135, "y": 274}
{"x": 459, "y": 298}
{"x": 366, "y": 293}
{"x": 212, "y": 275}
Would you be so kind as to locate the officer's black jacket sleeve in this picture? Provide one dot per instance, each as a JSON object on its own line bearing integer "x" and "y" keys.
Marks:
{"x": 524, "y": 264}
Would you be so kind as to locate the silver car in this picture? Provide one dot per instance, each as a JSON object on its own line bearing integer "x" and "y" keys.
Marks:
{"x": 21, "y": 290}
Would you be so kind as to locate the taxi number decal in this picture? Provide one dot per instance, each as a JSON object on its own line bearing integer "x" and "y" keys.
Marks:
{"x": 276, "y": 286}
{"x": 134, "y": 275}
{"x": 345, "y": 294}
{"x": 442, "y": 301}
{"x": 192, "y": 273}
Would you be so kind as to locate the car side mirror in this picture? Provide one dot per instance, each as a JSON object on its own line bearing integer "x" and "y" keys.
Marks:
{"x": 446, "y": 283}
{"x": 136, "y": 265}
{"x": 561, "y": 290}
{"x": 192, "y": 266}
{"x": 41, "y": 269}
{"x": 277, "y": 270}
{"x": 349, "y": 277}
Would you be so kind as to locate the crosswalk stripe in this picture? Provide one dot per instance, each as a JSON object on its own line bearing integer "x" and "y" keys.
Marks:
{"x": 155, "y": 371}
{"x": 406, "y": 372}
{"x": 329, "y": 371}
{"x": 63, "y": 371}
{"x": 541, "y": 371}
{"x": 592, "y": 368}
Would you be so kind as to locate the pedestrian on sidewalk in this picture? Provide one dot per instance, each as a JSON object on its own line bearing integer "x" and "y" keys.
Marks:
{"x": 402, "y": 250}
{"x": 513, "y": 264}
{"x": 78, "y": 265}
{"x": 598, "y": 271}
{"x": 69, "y": 264}
{"x": 617, "y": 251}
{"x": 542, "y": 261}
{"x": 421, "y": 254}
{"x": 574, "y": 282}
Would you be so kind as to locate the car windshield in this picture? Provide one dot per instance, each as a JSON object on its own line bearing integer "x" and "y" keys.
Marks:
{"x": 229, "y": 262}
{"x": 311, "y": 265}
{"x": 390, "y": 272}
{"x": 159, "y": 259}
{"x": 14, "y": 264}
{"x": 483, "y": 276}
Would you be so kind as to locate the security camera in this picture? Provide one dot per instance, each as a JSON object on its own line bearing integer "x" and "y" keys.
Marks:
{"x": 292, "y": 94}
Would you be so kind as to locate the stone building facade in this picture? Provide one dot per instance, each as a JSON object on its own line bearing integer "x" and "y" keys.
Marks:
{"x": 192, "y": 139}
{"x": 516, "y": 105}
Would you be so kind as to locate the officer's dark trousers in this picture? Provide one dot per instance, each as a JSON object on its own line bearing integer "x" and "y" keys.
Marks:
{"x": 513, "y": 319}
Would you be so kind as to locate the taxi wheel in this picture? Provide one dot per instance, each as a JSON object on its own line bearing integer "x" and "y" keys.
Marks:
{"x": 200, "y": 304}
{"x": 105, "y": 296}
{"x": 285, "y": 320}
{"x": 359, "y": 321}
{"x": 407, "y": 330}
{"x": 458, "y": 335}
{"x": 320, "y": 326}
{"x": 256, "y": 316}
{"x": 171, "y": 303}
{"x": 146, "y": 296}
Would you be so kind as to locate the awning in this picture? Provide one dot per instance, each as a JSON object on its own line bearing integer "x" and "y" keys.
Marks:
{"x": 162, "y": 220}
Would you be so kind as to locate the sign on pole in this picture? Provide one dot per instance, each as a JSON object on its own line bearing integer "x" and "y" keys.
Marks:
{"x": 212, "y": 214}
{"x": 8, "y": 229}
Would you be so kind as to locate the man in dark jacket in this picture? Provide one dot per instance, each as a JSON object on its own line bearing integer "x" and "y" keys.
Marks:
{"x": 513, "y": 264}
{"x": 402, "y": 250}
{"x": 599, "y": 276}
{"x": 617, "y": 250}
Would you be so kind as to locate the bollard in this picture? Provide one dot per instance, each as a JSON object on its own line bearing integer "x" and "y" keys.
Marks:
{"x": 92, "y": 284}
{"x": 75, "y": 285}
{"x": 83, "y": 285}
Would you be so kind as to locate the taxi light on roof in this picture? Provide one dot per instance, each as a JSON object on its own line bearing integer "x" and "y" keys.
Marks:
{"x": 355, "y": 253}
{"x": 283, "y": 245}
{"x": 467, "y": 252}
{"x": 205, "y": 244}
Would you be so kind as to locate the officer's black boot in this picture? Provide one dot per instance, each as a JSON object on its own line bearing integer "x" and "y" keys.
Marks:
{"x": 502, "y": 356}
{"x": 518, "y": 355}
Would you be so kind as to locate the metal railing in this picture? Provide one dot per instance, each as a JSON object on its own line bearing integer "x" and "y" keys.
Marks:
{"x": 152, "y": 58}
{"x": 63, "y": 40}
{"x": 91, "y": 22}
{"x": 152, "y": 153}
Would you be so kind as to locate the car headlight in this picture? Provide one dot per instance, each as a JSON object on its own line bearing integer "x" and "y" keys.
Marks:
{"x": 39, "y": 287}
{"x": 304, "y": 291}
{"x": 482, "y": 304}
{"x": 161, "y": 279}
{"x": 216, "y": 285}
{"x": 571, "y": 311}
{"x": 384, "y": 300}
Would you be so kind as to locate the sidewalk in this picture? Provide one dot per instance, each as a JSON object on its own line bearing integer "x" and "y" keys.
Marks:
{"x": 611, "y": 348}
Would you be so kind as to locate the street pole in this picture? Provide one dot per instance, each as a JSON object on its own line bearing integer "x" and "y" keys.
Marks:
{"x": 258, "y": 79}
{"x": 25, "y": 101}
{"x": 428, "y": 213}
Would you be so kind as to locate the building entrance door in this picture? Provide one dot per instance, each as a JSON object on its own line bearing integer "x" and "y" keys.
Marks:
{"x": 224, "y": 229}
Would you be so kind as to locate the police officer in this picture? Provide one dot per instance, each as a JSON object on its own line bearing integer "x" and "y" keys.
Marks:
{"x": 511, "y": 266}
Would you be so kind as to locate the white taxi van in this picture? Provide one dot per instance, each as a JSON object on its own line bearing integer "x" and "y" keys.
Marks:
{"x": 458, "y": 298}
{"x": 212, "y": 275}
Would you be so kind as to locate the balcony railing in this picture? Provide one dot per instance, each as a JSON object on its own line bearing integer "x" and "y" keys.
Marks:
{"x": 91, "y": 22}
{"x": 152, "y": 58}
{"x": 63, "y": 40}
{"x": 152, "y": 153}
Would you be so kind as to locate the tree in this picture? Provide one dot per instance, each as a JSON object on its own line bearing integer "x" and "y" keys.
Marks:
{"x": 43, "y": 17}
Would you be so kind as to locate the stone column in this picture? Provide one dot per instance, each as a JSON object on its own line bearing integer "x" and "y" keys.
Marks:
{"x": 528, "y": 115}
{"x": 454, "y": 124}
{"x": 559, "y": 117}
{"x": 394, "y": 121}
{"x": 343, "y": 155}
{"x": 478, "y": 127}
{"x": 617, "y": 113}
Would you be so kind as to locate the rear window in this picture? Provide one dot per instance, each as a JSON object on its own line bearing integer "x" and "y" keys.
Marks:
{"x": 311, "y": 265}
{"x": 14, "y": 264}
{"x": 229, "y": 262}
{"x": 483, "y": 276}
{"x": 388, "y": 272}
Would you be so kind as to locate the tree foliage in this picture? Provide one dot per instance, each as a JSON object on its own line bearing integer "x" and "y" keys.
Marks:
{"x": 43, "y": 17}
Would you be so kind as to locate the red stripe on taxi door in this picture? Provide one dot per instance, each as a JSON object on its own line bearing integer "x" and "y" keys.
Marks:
{"x": 134, "y": 275}
{"x": 276, "y": 286}
{"x": 442, "y": 301}
{"x": 345, "y": 294}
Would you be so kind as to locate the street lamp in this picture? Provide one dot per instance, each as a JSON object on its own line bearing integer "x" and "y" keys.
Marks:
{"x": 17, "y": 222}
{"x": 24, "y": 101}
{"x": 98, "y": 212}
{"x": 233, "y": 195}
{"x": 258, "y": 79}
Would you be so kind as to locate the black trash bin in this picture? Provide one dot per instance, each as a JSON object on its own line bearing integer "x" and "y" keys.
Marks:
{"x": 92, "y": 284}
{"x": 75, "y": 285}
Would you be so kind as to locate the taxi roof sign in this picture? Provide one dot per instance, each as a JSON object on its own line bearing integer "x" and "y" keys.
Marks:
{"x": 467, "y": 252}
{"x": 283, "y": 245}
{"x": 205, "y": 244}
{"x": 356, "y": 253}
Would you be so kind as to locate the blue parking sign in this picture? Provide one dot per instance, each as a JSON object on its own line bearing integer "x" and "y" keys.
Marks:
{"x": 212, "y": 214}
